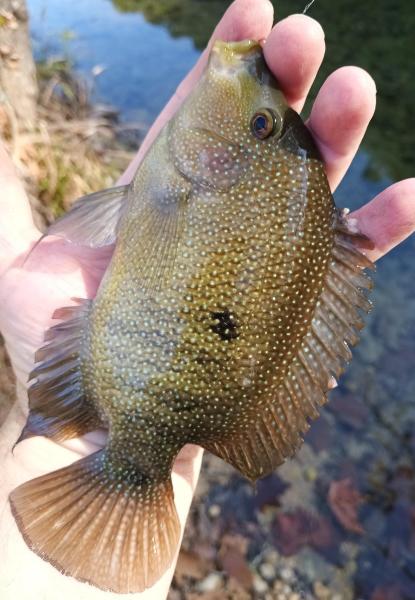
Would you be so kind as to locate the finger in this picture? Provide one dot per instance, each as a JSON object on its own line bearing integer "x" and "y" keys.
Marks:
{"x": 340, "y": 116}
{"x": 388, "y": 219}
{"x": 244, "y": 19}
{"x": 294, "y": 52}
{"x": 17, "y": 230}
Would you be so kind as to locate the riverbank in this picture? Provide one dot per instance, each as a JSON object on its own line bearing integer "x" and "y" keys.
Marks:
{"x": 76, "y": 148}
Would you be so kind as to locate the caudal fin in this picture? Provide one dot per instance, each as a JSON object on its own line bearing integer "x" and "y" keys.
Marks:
{"x": 117, "y": 535}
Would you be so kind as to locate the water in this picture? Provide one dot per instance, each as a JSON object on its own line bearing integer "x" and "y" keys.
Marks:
{"x": 142, "y": 64}
{"x": 366, "y": 436}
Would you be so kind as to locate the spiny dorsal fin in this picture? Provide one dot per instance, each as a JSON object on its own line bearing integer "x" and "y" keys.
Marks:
{"x": 93, "y": 219}
{"x": 58, "y": 408}
{"x": 284, "y": 418}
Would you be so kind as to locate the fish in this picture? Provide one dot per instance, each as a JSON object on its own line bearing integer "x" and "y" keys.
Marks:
{"x": 234, "y": 293}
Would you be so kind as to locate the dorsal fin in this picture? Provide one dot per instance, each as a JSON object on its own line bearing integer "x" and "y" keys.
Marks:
{"x": 284, "y": 418}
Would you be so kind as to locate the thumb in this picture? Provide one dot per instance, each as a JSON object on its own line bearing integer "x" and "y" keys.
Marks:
{"x": 17, "y": 230}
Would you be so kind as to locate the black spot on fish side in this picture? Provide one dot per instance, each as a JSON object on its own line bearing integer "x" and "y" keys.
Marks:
{"x": 225, "y": 325}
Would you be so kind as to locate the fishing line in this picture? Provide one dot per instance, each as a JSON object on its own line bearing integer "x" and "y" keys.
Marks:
{"x": 308, "y": 6}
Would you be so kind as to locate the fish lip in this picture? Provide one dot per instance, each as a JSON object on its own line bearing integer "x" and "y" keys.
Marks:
{"x": 241, "y": 48}
{"x": 233, "y": 53}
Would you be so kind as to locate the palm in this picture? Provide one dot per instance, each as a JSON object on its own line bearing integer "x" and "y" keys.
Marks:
{"x": 42, "y": 281}
{"x": 31, "y": 289}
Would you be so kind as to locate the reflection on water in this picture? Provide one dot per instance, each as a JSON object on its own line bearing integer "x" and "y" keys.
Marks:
{"x": 339, "y": 518}
{"x": 142, "y": 64}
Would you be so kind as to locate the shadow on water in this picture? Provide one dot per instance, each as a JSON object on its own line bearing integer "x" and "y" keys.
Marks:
{"x": 338, "y": 521}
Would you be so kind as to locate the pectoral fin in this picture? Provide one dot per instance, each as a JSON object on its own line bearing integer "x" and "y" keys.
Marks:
{"x": 93, "y": 219}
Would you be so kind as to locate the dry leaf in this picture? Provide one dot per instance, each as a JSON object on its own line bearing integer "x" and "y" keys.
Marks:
{"x": 299, "y": 528}
{"x": 232, "y": 557}
{"x": 190, "y": 565}
{"x": 344, "y": 500}
{"x": 387, "y": 592}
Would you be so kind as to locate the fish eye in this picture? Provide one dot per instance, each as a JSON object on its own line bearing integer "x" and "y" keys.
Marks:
{"x": 264, "y": 123}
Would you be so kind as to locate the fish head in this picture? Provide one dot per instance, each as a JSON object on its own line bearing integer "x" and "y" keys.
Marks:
{"x": 236, "y": 118}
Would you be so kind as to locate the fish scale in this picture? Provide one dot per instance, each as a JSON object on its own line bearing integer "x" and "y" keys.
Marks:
{"x": 233, "y": 293}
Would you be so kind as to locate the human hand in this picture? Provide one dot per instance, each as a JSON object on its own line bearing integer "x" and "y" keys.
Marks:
{"x": 57, "y": 271}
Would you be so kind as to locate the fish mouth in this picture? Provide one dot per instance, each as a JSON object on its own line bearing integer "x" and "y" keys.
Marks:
{"x": 235, "y": 50}
{"x": 234, "y": 54}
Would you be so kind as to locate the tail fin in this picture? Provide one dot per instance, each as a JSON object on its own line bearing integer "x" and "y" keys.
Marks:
{"x": 117, "y": 535}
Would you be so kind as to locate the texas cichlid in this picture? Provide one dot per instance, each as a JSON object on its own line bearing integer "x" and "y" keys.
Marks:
{"x": 232, "y": 296}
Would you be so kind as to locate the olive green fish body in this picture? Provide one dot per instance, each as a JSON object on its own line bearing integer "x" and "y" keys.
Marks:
{"x": 213, "y": 285}
{"x": 229, "y": 303}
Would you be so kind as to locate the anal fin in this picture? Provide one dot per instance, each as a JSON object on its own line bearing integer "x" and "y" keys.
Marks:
{"x": 58, "y": 407}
